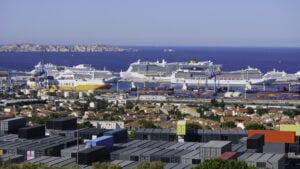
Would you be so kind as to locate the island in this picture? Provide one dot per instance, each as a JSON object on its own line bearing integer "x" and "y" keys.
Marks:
{"x": 26, "y": 47}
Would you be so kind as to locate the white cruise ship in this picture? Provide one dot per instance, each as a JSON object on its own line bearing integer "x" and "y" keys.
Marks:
{"x": 162, "y": 71}
{"x": 282, "y": 76}
{"x": 193, "y": 72}
{"x": 247, "y": 76}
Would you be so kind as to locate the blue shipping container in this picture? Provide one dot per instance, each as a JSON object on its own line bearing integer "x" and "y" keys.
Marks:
{"x": 106, "y": 141}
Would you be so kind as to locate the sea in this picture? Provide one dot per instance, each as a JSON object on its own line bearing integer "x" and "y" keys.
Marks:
{"x": 232, "y": 58}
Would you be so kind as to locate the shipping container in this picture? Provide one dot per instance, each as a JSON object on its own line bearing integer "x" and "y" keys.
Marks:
{"x": 32, "y": 132}
{"x": 105, "y": 141}
{"x": 91, "y": 133}
{"x": 67, "y": 152}
{"x": 256, "y": 141}
{"x": 94, "y": 154}
{"x": 12, "y": 125}
{"x": 12, "y": 158}
{"x": 119, "y": 135}
{"x": 229, "y": 155}
{"x": 275, "y": 136}
{"x": 275, "y": 148}
{"x": 63, "y": 123}
{"x": 295, "y": 128}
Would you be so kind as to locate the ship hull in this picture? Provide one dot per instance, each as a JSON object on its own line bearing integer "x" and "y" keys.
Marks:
{"x": 222, "y": 82}
{"x": 79, "y": 87}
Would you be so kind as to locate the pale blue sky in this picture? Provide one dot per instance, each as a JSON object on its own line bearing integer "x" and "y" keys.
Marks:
{"x": 152, "y": 22}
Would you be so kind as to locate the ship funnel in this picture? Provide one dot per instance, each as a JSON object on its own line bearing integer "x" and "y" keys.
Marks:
{"x": 132, "y": 85}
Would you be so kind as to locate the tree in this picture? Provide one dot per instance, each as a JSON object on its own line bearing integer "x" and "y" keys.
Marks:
{"x": 149, "y": 165}
{"x": 222, "y": 104}
{"x": 105, "y": 166}
{"x": 50, "y": 152}
{"x": 255, "y": 126}
{"x": 262, "y": 111}
{"x": 250, "y": 110}
{"x": 193, "y": 126}
{"x": 146, "y": 124}
{"x": 223, "y": 164}
{"x": 228, "y": 124}
{"x": 291, "y": 113}
{"x": 129, "y": 105}
{"x": 131, "y": 135}
{"x": 214, "y": 103}
{"x": 102, "y": 104}
{"x": 85, "y": 124}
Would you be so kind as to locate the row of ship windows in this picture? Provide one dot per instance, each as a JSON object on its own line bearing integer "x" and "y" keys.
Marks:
{"x": 222, "y": 78}
{"x": 62, "y": 84}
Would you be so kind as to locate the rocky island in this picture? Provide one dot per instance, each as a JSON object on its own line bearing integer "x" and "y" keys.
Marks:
{"x": 25, "y": 47}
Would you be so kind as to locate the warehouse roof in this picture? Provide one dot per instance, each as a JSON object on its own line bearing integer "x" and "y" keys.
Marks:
{"x": 217, "y": 144}
{"x": 63, "y": 119}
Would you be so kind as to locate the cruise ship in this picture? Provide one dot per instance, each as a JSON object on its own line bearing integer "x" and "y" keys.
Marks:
{"x": 282, "y": 75}
{"x": 162, "y": 71}
{"x": 67, "y": 80}
{"x": 193, "y": 72}
{"x": 82, "y": 71}
{"x": 249, "y": 76}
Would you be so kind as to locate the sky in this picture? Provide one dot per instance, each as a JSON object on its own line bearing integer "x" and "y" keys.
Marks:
{"x": 261, "y": 23}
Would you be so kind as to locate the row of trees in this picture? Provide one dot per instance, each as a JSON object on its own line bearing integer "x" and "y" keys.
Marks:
{"x": 208, "y": 164}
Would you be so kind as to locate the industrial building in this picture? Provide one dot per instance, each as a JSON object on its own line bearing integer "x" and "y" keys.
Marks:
{"x": 65, "y": 143}
{"x": 191, "y": 135}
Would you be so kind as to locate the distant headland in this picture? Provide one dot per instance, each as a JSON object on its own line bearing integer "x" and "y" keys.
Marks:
{"x": 26, "y": 47}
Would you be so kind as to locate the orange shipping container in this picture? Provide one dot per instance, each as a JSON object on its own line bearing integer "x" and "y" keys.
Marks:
{"x": 275, "y": 136}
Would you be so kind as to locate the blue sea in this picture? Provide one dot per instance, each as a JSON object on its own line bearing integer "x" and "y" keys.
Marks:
{"x": 232, "y": 58}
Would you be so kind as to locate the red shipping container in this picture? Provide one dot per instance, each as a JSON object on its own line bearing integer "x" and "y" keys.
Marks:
{"x": 229, "y": 155}
{"x": 275, "y": 136}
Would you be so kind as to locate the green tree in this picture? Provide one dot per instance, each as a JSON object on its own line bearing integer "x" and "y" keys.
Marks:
{"x": 255, "y": 126}
{"x": 214, "y": 103}
{"x": 228, "y": 124}
{"x": 149, "y": 165}
{"x": 146, "y": 124}
{"x": 222, "y": 104}
{"x": 250, "y": 110}
{"x": 85, "y": 124}
{"x": 129, "y": 105}
{"x": 102, "y": 104}
{"x": 131, "y": 135}
{"x": 262, "y": 111}
{"x": 193, "y": 126}
{"x": 223, "y": 164}
{"x": 50, "y": 152}
{"x": 291, "y": 113}
{"x": 105, "y": 166}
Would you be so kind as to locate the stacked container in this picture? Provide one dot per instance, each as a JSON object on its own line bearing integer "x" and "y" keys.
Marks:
{"x": 106, "y": 141}
{"x": 214, "y": 149}
{"x": 91, "y": 133}
{"x": 12, "y": 125}
{"x": 119, "y": 135}
{"x": 94, "y": 154}
{"x": 255, "y": 143}
{"x": 63, "y": 123}
{"x": 32, "y": 132}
